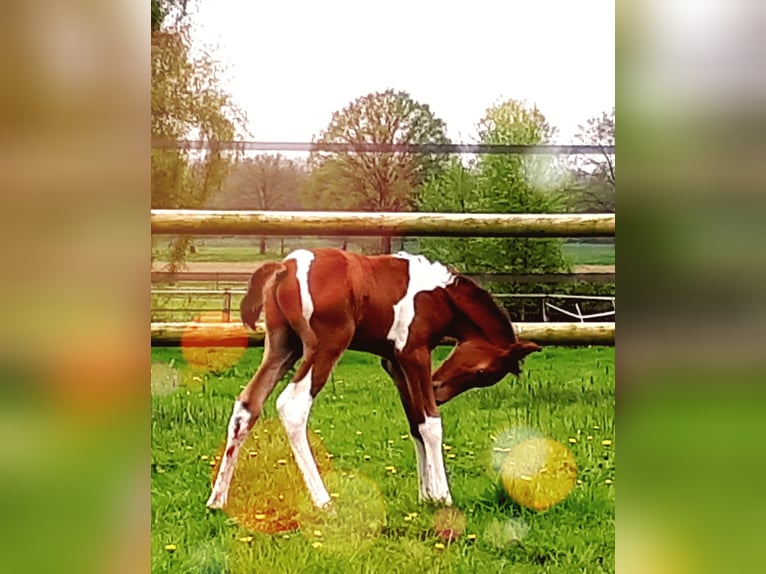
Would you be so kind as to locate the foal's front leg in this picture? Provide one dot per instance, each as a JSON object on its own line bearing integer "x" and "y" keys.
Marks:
{"x": 416, "y": 366}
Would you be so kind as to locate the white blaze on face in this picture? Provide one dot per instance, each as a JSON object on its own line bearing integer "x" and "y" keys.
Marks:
{"x": 424, "y": 276}
{"x": 303, "y": 259}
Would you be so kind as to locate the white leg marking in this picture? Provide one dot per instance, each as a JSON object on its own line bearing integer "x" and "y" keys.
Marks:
{"x": 303, "y": 259}
{"x": 420, "y": 456}
{"x": 423, "y": 276}
{"x": 239, "y": 425}
{"x": 436, "y": 477}
{"x": 293, "y": 406}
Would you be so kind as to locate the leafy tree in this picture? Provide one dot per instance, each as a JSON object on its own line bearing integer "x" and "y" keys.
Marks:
{"x": 264, "y": 182}
{"x": 375, "y": 181}
{"x": 186, "y": 101}
{"x": 495, "y": 183}
{"x": 594, "y": 187}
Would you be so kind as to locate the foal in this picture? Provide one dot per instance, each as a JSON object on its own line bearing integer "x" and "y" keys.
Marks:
{"x": 320, "y": 302}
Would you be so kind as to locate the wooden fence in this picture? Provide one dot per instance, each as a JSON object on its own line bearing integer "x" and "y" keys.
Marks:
{"x": 307, "y": 223}
{"x": 347, "y": 223}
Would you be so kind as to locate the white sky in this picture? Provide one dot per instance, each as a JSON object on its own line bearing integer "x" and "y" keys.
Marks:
{"x": 291, "y": 63}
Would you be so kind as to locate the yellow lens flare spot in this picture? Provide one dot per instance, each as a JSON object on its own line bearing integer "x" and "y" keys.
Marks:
{"x": 267, "y": 490}
{"x": 502, "y": 444}
{"x": 212, "y": 346}
{"x": 539, "y": 473}
{"x": 354, "y": 519}
{"x": 449, "y": 523}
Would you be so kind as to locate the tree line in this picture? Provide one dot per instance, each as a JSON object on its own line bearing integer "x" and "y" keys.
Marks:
{"x": 186, "y": 100}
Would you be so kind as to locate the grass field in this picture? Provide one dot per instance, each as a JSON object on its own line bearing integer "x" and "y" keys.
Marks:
{"x": 589, "y": 253}
{"x": 564, "y": 394}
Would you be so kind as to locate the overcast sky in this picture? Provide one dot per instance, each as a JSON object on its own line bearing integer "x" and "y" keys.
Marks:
{"x": 291, "y": 63}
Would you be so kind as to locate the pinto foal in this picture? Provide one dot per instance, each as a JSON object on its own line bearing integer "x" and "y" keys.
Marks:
{"x": 319, "y": 303}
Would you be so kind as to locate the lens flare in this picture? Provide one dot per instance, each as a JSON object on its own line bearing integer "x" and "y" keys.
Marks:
{"x": 213, "y": 347}
{"x": 267, "y": 490}
{"x": 504, "y": 533}
{"x": 355, "y": 519}
{"x": 165, "y": 379}
{"x": 503, "y": 443}
{"x": 539, "y": 472}
{"x": 449, "y": 523}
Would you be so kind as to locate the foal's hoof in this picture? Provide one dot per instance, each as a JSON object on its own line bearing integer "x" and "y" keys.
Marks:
{"x": 215, "y": 501}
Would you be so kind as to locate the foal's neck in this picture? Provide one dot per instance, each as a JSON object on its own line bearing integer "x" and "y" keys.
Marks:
{"x": 478, "y": 315}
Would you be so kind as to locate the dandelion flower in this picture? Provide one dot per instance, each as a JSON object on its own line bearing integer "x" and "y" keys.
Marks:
{"x": 260, "y": 516}
{"x": 282, "y": 461}
{"x": 316, "y": 544}
{"x": 608, "y": 481}
{"x": 358, "y": 432}
{"x": 170, "y": 547}
{"x": 606, "y": 442}
{"x": 204, "y": 457}
{"x": 572, "y": 440}
{"x": 439, "y": 546}
{"x": 471, "y": 537}
{"x": 246, "y": 539}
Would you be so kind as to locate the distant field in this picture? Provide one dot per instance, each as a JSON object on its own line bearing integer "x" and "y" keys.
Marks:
{"x": 564, "y": 394}
{"x": 226, "y": 250}
{"x": 589, "y": 253}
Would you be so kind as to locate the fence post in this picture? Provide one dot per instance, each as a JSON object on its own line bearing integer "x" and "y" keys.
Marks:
{"x": 226, "y": 306}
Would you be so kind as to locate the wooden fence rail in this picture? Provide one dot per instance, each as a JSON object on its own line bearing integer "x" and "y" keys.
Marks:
{"x": 233, "y": 334}
{"x": 346, "y": 223}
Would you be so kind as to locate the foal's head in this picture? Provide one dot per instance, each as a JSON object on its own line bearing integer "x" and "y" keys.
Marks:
{"x": 476, "y": 363}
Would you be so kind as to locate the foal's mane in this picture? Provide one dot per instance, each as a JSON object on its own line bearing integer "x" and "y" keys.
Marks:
{"x": 481, "y": 309}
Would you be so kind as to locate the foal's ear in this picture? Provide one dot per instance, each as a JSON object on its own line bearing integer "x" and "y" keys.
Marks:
{"x": 521, "y": 349}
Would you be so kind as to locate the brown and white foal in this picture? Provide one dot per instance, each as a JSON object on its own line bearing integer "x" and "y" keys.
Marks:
{"x": 320, "y": 302}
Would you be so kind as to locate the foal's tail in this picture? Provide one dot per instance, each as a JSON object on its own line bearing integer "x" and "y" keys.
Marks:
{"x": 263, "y": 277}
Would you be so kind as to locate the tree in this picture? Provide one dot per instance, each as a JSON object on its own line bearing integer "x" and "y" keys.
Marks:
{"x": 264, "y": 182}
{"x": 186, "y": 100}
{"x": 375, "y": 181}
{"x": 594, "y": 187}
{"x": 508, "y": 183}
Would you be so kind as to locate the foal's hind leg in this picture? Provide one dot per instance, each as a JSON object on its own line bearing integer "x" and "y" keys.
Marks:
{"x": 281, "y": 352}
{"x": 294, "y": 405}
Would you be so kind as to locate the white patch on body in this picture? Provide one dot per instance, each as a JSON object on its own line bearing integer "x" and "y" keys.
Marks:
{"x": 424, "y": 276}
{"x": 239, "y": 426}
{"x": 303, "y": 259}
{"x": 436, "y": 487}
{"x": 294, "y": 405}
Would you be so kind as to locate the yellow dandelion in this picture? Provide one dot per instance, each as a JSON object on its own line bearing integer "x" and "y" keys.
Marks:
{"x": 439, "y": 546}
{"x": 572, "y": 440}
{"x": 282, "y": 461}
{"x": 390, "y": 468}
{"x": 316, "y": 544}
{"x": 405, "y": 436}
{"x": 608, "y": 481}
{"x": 451, "y": 455}
{"x": 317, "y": 533}
{"x": 367, "y": 457}
{"x": 407, "y": 518}
{"x": 260, "y": 516}
{"x": 170, "y": 547}
{"x": 606, "y": 442}
{"x": 446, "y": 447}
{"x": 590, "y": 437}
{"x": 204, "y": 457}
{"x": 471, "y": 537}
{"x": 246, "y": 539}
{"x": 334, "y": 495}
{"x": 358, "y": 432}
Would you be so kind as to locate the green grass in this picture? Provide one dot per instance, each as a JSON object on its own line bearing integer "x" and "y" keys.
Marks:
{"x": 589, "y": 253}
{"x": 563, "y": 393}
